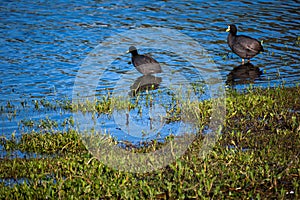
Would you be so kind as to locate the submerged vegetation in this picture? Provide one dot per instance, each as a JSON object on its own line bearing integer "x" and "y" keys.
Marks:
{"x": 257, "y": 155}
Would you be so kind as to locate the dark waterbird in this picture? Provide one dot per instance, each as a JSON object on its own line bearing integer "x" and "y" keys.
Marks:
{"x": 244, "y": 46}
{"x": 145, "y": 64}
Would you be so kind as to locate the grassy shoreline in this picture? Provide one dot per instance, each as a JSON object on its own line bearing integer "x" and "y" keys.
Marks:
{"x": 257, "y": 156}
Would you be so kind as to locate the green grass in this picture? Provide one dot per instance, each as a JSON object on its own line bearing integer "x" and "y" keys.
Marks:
{"x": 256, "y": 157}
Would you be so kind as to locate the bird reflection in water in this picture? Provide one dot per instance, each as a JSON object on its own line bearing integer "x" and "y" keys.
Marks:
{"x": 141, "y": 84}
{"x": 243, "y": 74}
{"x": 145, "y": 82}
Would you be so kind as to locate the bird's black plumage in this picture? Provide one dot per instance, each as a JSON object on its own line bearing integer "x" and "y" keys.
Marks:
{"x": 244, "y": 46}
{"x": 145, "y": 64}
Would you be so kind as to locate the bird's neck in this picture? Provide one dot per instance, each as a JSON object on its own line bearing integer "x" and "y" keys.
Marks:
{"x": 233, "y": 33}
{"x": 134, "y": 53}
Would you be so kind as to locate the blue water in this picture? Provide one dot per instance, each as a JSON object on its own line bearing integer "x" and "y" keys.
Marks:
{"x": 45, "y": 44}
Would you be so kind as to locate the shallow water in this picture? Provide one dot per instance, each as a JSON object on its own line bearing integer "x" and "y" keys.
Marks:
{"x": 44, "y": 46}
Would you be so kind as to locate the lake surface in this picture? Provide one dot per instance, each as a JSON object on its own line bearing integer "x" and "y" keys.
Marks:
{"x": 45, "y": 45}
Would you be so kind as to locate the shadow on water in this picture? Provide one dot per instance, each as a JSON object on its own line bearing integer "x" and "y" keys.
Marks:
{"x": 243, "y": 74}
{"x": 143, "y": 83}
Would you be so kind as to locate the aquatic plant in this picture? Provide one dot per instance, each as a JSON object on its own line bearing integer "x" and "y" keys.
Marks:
{"x": 255, "y": 157}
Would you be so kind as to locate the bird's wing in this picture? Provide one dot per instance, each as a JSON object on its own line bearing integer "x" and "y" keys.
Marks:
{"x": 248, "y": 43}
{"x": 144, "y": 59}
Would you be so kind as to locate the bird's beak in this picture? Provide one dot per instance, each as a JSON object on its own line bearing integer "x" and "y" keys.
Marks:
{"x": 127, "y": 51}
{"x": 228, "y": 29}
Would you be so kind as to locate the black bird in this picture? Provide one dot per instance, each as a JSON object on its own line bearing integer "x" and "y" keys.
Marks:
{"x": 145, "y": 64}
{"x": 244, "y": 46}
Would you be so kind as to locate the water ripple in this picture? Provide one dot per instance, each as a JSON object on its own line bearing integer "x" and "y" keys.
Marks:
{"x": 42, "y": 44}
